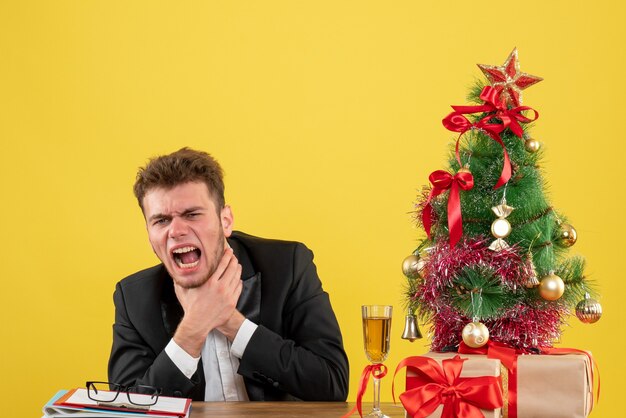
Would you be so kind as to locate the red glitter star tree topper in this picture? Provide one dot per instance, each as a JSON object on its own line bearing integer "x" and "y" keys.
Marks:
{"x": 509, "y": 80}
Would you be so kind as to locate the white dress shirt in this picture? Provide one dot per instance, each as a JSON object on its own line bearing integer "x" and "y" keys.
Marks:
{"x": 220, "y": 360}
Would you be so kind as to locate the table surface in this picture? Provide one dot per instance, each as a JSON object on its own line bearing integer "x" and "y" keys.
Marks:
{"x": 287, "y": 409}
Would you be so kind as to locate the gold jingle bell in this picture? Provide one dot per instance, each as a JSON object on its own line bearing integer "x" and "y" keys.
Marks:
{"x": 551, "y": 287}
{"x": 588, "y": 310}
{"x": 412, "y": 266}
{"x": 411, "y": 329}
{"x": 567, "y": 235}
{"x": 475, "y": 334}
{"x": 532, "y": 145}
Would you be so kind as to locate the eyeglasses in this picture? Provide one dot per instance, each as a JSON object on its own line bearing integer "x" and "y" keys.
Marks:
{"x": 138, "y": 395}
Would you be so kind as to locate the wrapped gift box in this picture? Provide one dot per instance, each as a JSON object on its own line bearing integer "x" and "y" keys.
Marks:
{"x": 554, "y": 386}
{"x": 475, "y": 366}
{"x": 548, "y": 386}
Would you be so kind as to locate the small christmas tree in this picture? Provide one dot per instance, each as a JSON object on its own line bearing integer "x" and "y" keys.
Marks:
{"x": 494, "y": 264}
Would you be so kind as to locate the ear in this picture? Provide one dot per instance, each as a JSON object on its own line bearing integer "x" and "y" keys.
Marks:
{"x": 226, "y": 216}
{"x": 152, "y": 245}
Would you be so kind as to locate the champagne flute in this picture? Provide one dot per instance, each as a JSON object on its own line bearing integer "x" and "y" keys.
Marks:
{"x": 376, "y": 333}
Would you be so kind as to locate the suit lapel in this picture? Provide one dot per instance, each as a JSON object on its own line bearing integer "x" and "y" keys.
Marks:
{"x": 171, "y": 310}
{"x": 249, "y": 303}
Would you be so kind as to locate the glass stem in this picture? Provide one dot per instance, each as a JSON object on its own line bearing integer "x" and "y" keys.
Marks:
{"x": 376, "y": 405}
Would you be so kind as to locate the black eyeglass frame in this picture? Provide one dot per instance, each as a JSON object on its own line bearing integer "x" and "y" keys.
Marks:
{"x": 116, "y": 387}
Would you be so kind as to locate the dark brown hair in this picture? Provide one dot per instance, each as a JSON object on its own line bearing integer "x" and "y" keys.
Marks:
{"x": 183, "y": 166}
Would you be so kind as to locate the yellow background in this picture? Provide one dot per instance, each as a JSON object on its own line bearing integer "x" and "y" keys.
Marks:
{"x": 326, "y": 116}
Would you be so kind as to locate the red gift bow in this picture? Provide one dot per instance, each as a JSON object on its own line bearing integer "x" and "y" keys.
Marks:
{"x": 378, "y": 371}
{"x": 508, "y": 356}
{"x": 497, "y": 109}
{"x": 442, "y": 181}
{"x": 436, "y": 385}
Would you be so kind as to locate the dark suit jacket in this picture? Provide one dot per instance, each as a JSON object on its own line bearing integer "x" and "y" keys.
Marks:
{"x": 296, "y": 352}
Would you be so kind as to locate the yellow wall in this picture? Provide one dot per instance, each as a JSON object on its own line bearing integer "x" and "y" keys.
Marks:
{"x": 326, "y": 116}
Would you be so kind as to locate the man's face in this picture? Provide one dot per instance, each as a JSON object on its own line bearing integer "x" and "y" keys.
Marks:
{"x": 186, "y": 232}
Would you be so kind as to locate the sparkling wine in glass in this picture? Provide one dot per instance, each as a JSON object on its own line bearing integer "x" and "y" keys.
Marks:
{"x": 376, "y": 335}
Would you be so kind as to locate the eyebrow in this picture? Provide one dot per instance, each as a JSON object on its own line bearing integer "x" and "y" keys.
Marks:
{"x": 185, "y": 212}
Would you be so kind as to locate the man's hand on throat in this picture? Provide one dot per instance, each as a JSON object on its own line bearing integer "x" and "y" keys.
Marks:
{"x": 211, "y": 305}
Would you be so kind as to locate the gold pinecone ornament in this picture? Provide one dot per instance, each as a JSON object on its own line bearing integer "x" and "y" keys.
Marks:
{"x": 531, "y": 280}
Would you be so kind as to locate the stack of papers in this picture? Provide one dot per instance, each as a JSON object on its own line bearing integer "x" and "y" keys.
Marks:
{"x": 76, "y": 403}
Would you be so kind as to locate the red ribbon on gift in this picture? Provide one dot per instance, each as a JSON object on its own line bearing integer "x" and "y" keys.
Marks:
{"x": 497, "y": 109}
{"x": 378, "y": 371}
{"x": 436, "y": 385}
{"x": 508, "y": 357}
{"x": 441, "y": 181}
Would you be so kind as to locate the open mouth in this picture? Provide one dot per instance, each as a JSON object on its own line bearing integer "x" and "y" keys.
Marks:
{"x": 186, "y": 257}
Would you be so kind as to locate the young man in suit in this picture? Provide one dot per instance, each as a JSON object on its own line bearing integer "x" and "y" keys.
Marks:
{"x": 225, "y": 316}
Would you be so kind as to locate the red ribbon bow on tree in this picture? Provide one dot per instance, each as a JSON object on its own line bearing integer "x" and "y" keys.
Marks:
{"x": 442, "y": 181}
{"x": 496, "y": 109}
{"x": 436, "y": 385}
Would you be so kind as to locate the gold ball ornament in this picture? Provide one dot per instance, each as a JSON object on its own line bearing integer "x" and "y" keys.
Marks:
{"x": 567, "y": 235}
{"x": 532, "y": 145}
{"x": 475, "y": 334}
{"x": 588, "y": 310}
{"x": 551, "y": 287}
{"x": 412, "y": 266}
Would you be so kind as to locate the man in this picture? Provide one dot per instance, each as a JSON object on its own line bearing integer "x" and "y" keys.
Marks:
{"x": 225, "y": 316}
